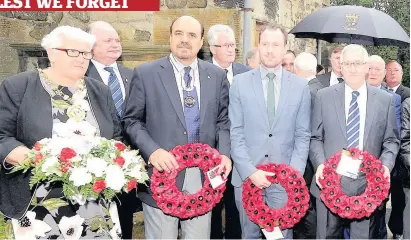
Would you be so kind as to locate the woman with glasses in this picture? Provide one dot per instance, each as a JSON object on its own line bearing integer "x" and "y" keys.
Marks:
{"x": 32, "y": 105}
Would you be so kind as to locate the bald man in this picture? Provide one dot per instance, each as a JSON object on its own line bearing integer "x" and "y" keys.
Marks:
{"x": 104, "y": 67}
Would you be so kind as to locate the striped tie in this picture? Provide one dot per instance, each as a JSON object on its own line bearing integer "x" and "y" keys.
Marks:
{"x": 114, "y": 85}
{"x": 353, "y": 122}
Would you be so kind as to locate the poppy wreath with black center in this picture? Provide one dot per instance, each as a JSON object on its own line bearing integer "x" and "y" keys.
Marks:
{"x": 354, "y": 207}
{"x": 285, "y": 217}
{"x": 185, "y": 206}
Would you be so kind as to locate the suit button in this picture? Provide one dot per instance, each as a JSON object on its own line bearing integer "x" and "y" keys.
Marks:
{"x": 185, "y": 133}
{"x": 266, "y": 155}
{"x": 270, "y": 135}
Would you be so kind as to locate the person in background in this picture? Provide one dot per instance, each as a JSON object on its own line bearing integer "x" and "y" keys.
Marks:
{"x": 320, "y": 69}
{"x": 253, "y": 58}
{"x": 334, "y": 76}
{"x": 288, "y": 61}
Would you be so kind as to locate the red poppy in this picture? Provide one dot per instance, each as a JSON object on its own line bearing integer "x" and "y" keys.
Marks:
{"x": 37, "y": 146}
{"x": 98, "y": 186}
{"x": 119, "y": 161}
{"x": 131, "y": 184}
{"x": 67, "y": 154}
{"x": 120, "y": 147}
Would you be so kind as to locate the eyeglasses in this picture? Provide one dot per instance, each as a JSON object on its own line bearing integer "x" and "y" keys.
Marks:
{"x": 353, "y": 64}
{"x": 226, "y": 46}
{"x": 76, "y": 53}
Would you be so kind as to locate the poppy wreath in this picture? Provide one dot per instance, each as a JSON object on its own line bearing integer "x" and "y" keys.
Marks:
{"x": 291, "y": 212}
{"x": 184, "y": 206}
{"x": 354, "y": 206}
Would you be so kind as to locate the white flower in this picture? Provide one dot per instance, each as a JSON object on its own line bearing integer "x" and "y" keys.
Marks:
{"x": 78, "y": 198}
{"x": 83, "y": 104}
{"x": 129, "y": 157}
{"x": 75, "y": 159}
{"x": 96, "y": 166}
{"x": 135, "y": 172}
{"x": 115, "y": 177}
{"x": 79, "y": 176}
{"x": 29, "y": 227}
{"x": 72, "y": 227}
{"x": 49, "y": 165}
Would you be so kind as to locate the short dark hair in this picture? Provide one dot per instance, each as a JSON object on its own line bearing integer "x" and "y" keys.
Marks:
{"x": 171, "y": 27}
{"x": 290, "y": 51}
{"x": 319, "y": 68}
{"x": 337, "y": 49}
{"x": 273, "y": 27}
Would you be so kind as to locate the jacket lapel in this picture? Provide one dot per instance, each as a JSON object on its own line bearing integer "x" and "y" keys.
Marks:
{"x": 259, "y": 95}
{"x": 284, "y": 92}
{"x": 206, "y": 86}
{"x": 339, "y": 102}
{"x": 126, "y": 79}
{"x": 92, "y": 72}
{"x": 369, "y": 118}
{"x": 167, "y": 76}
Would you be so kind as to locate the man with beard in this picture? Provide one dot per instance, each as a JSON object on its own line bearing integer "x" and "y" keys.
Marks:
{"x": 104, "y": 67}
{"x": 176, "y": 100}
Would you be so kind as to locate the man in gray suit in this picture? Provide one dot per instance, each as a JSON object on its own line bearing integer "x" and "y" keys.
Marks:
{"x": 346, "y": 115}
{"x": 176, "y": 100}
{"x": 270, "y": 123}
{"x": 104, "y": 67}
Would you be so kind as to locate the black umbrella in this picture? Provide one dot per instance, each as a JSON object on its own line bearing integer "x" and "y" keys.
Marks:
{"x": 352, "y": 24}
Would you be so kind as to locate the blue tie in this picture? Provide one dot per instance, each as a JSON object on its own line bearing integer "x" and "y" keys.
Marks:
{"x": 191, "y": 113}
{"x": 114, "y": 85}
{"x": 353, "y": 122}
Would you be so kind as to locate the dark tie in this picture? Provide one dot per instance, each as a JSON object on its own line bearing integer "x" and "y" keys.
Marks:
{"x": 392, "y": 90}
{"x": 340, "y": 80}
{"x": 191, "y": 113}
{"x": 115, "y": 89}
{"x": 353, "y": 122}
{"x": 226, "y": 71}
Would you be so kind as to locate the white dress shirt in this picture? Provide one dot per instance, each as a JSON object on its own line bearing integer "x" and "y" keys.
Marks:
{"x": 277, "y": 82}
{"x": 394, "y": 89}
{"x": 105, "y": 75}
{"x": 230, "y": 73}
{"x": 178, "y": 68}
{"x": 362, "y": 105}
{"x": 334, "y": 79}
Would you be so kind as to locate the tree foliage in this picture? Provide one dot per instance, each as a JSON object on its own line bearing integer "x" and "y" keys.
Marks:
{"x": 400, "y": 11}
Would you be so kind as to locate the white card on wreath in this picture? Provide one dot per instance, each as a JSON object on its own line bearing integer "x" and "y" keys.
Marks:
{"x": 215, "y": 178}
{"x": 348, "y": 166}
{"x": 274, "y": 235}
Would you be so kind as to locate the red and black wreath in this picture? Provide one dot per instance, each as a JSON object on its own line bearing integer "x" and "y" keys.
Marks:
{"x": 171, "y": 200}
{"x": 291, "y": 212}
{"x": 354, "y": 206}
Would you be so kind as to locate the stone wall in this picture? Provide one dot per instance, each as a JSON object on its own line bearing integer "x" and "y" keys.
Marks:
{"x": 144, "y": 35}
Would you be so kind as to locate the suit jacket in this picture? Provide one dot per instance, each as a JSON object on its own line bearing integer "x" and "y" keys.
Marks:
{"x": 25, "y": 117}
{"x": 324, "y": 79}
{"x": 253, "y": 141}
{"x": 403, "y": 91}
{"x": 237, "y": 67}
{"x": 404, "y": 153}
{"x": 154, "y": 115}
{"x": 329, "y": 131}
{"x": 315, "y": 85}
{"x": 397, "y": 103}
{"x": 126, "y": 75}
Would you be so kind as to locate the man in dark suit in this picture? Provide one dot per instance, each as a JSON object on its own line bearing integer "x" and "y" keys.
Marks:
{"x": 104, "y": 67}
{"x": 288, "y": 61}
{"x": 222, "y": 45}
{"x": 160, "y": 115}
{"x": 334, "y": 77}
{"x": 393, "y": 79}
{"x": 345, "y": 116}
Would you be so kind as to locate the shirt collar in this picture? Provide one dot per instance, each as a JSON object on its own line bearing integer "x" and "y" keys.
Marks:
{"x": 333, "y": 75}
{"x": 180, "y": 66}
{"x": 362, "y": 90}
{"x": 229, "y": 68}
{"x": 101, "y": 66}
{"x": 277, "y": 71}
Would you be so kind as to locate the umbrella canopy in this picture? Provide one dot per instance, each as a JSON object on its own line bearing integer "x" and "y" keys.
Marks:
{"x": 352, "y": 24}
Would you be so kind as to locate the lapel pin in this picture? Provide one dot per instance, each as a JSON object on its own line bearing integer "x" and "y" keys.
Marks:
{"x": 126, "y": 80}
{"x": 208, "y": 76}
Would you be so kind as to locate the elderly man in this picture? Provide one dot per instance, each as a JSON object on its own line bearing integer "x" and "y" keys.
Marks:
{"x": 288, "y": 61}
{"x": 104, "y": 67}
{"x": 334, "y": 77}
{"x": 394, "y": 78}
{"x": 222, "y": 45}
{"x": 175, "y": 100}
{"x": 345, "y": 116}
{"x": 253, "y": 58}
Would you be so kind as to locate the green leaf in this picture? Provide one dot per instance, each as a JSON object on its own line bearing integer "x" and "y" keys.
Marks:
{"x": 60, "y": 104}
{"x": 53, "y": 204}
{"x": 110, "y": 223}
{"x": 34, "y": 201}
{"x": 106, "y": 211}
{"x": 96, "y": 224}
{"x": 9, "y": 230}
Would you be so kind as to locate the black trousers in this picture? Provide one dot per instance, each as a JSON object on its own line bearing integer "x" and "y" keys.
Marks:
{"x": 232, "y": 218}
{"x": 127, "y": 205}
{"x": 397, "y": 202}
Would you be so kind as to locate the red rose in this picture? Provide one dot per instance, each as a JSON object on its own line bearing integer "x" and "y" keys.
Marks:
{"x": 39, "y": 157}
{"x": 120, "y": 147}
{"x": 120, "y": 161}
{"x": 131, "y": 184}
{"x": 99, "y": 186}
{"x": 37, "y": 146}
{"x": 67, "y": 154}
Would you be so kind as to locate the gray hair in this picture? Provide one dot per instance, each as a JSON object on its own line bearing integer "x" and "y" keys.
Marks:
{"x": 354, "y": 48}
{"x": 54, "y": 38}
{"x": 215, "y": 30}
{"x": 376, "y": 58}
{"x": 307, "y": 62}
{"x": 251, "y": 53}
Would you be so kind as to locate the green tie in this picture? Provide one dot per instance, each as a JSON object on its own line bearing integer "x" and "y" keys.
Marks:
{"x": 270, "y": 98}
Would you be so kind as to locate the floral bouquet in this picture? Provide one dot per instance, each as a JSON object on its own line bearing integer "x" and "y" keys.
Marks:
{"x": 88, "y": 167}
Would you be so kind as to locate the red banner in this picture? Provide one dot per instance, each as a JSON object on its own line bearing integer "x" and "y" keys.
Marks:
{"x": 79, "y": 5}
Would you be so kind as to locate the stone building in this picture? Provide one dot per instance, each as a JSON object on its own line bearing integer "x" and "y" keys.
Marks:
{"x": 145, "y": 35}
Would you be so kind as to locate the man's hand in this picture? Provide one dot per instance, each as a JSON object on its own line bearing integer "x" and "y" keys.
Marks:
{"x": 319, "y": 175}
{"x": 259, "y": 178}
{"x": 225, "y": 166}
{"x": 17, "y": 155}
{"x": 387, "y": 173}
{"x": 163, "y": 160}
